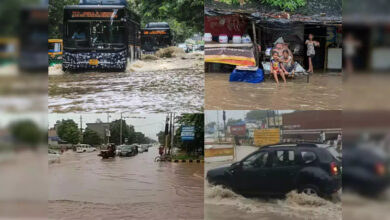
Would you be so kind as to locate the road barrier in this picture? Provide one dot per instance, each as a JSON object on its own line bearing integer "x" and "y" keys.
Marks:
{"x": 219, "y": 151}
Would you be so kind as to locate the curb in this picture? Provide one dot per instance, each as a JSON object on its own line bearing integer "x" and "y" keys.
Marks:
{"x": 186, "y": 161}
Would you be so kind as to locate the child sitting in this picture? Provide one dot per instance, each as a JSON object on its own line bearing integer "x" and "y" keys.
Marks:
{"x": 276, "y": 67}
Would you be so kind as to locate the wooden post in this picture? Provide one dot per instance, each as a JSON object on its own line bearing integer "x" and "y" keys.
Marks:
{"x": 255, "y": 42}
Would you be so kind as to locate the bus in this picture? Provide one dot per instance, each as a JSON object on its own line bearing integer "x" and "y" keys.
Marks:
{"x": 156, "y": 35}
{"x": 100, "y": 34}
{"x": 33, "y": 39}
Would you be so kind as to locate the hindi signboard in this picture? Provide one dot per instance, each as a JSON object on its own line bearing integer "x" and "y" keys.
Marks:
{"x": 264, "y": 137}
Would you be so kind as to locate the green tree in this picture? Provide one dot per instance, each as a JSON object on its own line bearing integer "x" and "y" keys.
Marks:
{"x": 195, "y": 147}
{"x": 26, "y": 132}
{"x": 127, "y": 132}
{"x": 161, "y": 135}
{"x": 256, "y": 115}
{"x": 91, "y": 137}
{"x": 232, "y": 121}
{"x": 56, "y": 15}
{"x": 68, "y": 131}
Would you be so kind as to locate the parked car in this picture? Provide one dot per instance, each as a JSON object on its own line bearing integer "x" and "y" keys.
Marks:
{"x": 366, "y": 170}
{"x": 82, "y": 148}
{"x": 127, "y": 150}
{"x": 281, "y": 168}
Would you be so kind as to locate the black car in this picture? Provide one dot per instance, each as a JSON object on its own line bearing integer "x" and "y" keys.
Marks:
{"x": 366, "y": 170}
{"x": 127, "y": 150}
{"x": 281, "y": 168}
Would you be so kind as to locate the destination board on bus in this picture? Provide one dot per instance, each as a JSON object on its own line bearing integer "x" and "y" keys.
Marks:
{"x": 264, "y": 137}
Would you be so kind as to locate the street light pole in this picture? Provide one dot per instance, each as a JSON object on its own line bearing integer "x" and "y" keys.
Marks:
{"x": 120, "y": 131}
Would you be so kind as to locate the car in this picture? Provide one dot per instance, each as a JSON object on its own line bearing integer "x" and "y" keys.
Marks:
{"x": 82, "y": 148}
{"x": 276, "y": 170}
{"x": 127, "y": 150}
{"x": 366, "y": 170}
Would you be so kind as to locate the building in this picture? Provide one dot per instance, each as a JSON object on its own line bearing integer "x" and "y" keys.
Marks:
{"x": 307, "y": 125}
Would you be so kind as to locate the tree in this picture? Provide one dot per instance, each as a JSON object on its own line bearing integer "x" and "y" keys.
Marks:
{"x": 256, "y": 115}
{"x": 127, "y": 132}
{"x": 197, "y": 145}
{"x": 91, "y": 137}
{"x": 160, "y": 135}
{"x": 26, "y": 132}
{"x": 56, "y": 15}
{"x": 68, "y": 131}
{"x": 232, "y": 121}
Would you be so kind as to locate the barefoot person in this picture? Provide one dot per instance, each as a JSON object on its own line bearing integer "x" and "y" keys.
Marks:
{"x": 311, "y": 51}
{"x": 276, "y": 68}
{"x": 288, "y": 63}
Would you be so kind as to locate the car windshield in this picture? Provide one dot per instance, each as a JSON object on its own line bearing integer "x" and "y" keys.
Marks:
{"x": 95, "y": 34}
{"x": 127, "y": 147}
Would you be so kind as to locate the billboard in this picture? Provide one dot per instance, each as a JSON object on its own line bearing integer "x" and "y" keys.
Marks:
{"x": 264, "y": 137}
{"x": 238, "y": 130}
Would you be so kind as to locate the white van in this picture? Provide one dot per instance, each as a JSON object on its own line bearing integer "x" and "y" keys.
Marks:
{"x": 82, "y": 148}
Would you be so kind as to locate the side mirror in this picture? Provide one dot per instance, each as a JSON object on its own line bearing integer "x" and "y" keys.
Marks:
{"x": 308, "y": 157}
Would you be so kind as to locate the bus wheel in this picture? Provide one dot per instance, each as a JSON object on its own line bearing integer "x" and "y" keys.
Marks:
{"x": 64, "y": 69}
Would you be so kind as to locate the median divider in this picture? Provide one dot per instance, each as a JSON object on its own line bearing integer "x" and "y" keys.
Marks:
{"x": 186, "y": 161}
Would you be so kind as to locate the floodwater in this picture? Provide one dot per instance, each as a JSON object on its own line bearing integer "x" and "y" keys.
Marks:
{"x": 322, "y": 92}
{"x": 153, "y": 86}
{"x": 83, "y": 186}
{"x": 222, "y": 203}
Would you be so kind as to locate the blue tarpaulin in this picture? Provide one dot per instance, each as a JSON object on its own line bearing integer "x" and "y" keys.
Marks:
{"x": 247, "y": 76}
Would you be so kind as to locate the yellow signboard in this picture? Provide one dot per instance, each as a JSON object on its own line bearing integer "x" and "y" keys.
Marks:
{"x": 216, "y": 152}
{"x": 264, "y": 137}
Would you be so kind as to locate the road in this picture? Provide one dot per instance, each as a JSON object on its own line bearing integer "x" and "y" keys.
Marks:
{"x": 323, "y": 92}
{"x": 148, "y": 86}
{"x": 83, "y": 186}
{"x": 224, "y": 204}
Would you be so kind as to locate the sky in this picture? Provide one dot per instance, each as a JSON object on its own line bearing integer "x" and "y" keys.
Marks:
{"x": 150, "y": 125}
{"x": 212, "y": 115}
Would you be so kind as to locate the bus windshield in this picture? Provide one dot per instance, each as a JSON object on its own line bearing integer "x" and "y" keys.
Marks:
{"x": 95, "y": 34}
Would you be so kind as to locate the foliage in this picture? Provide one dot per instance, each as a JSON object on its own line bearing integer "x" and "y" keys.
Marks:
{"x": 26, "y": 132}
{"x": 256, "y": 115}
{"x": 128, "y": 132}
{"x": 160, "y": 136}
{"x": 185, "y": 17}
{"x": 194, "y": 147}
{"x": 91, "y": 137}
{"x": 233, "y": 121}
{"x": 290, "y": 5}
{"x": 68, "y": 131}
{"x": 56, "y": 14}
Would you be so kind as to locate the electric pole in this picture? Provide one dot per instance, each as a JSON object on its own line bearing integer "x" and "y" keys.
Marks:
{"x": 81, "y": 129}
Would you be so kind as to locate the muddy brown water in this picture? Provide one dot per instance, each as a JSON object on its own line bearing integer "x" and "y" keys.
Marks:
{"x": 322, "y": 92}
{"x": 224, "y": 204}
{"x": 179, "y": 90}
{"x": 83, "y": 186}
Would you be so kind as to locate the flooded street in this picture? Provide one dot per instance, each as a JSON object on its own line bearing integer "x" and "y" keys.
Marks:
{"x": 321, "y": 93}
{"x": 152, "y": 86}
{"x": 83, "y": 186}
{"x": 222, "y": 203}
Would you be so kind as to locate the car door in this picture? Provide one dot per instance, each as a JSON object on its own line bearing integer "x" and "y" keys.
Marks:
{"x": 251, "y": 178}
{"x": 283, "y": 170}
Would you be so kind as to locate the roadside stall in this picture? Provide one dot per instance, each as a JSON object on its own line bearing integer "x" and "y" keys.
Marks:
{"x": 269, "y": 28}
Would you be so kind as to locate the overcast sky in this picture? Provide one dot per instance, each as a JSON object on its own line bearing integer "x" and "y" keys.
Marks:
{"x": 150, "y": 125}
{"x": 212, "y": 115}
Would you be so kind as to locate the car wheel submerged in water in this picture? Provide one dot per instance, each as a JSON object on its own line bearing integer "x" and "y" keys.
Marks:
{"x": 309, "y": 190}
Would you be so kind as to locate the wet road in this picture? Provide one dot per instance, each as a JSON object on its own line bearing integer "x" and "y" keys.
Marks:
{"x": 164, "y": 85}
{"x": 83, "y": 186}
{"x": 224, "y": 204}
{"x": 322, "y": 92}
